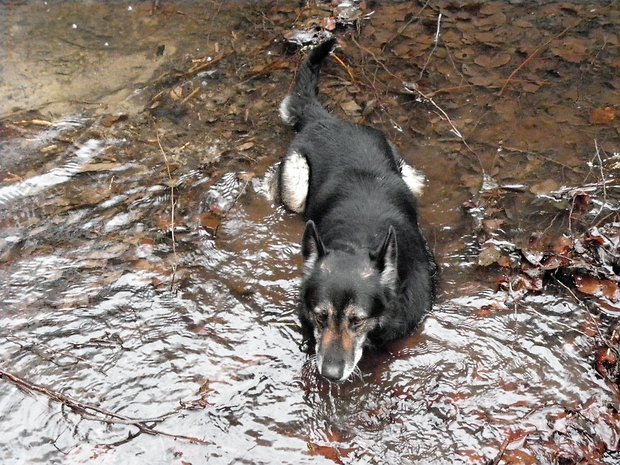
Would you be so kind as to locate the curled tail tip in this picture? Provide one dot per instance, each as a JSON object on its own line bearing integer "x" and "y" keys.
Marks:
{"x": 292, "y": 107}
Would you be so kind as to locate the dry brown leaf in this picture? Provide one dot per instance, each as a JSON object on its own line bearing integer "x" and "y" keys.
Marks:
{"x": 351, "y": 108}
{"x": 489, "y": 255}
{"x": 572, "y": 50}
{"x": 496, "y": 19}
{"x": 544, "y": 187}
{"x": 605, "y": 115}
{"x": 518, "y": 457}
{"x": 492, "y": 61}
{"x": 488, "y": 78}
{"x": 598, "y": 287}
{"x": 245, "y": 146}
{"x": 94, "y": 167}
{"x": 329, "y": 23}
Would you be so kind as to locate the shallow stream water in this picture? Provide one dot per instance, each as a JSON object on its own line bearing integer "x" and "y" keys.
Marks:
{"x": 145, "y": 270}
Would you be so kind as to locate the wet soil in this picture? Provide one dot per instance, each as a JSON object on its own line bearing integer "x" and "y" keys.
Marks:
{"x": 148, "y": 280}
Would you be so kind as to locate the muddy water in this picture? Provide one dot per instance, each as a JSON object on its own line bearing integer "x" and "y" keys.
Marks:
{"x": 145, "y": 270}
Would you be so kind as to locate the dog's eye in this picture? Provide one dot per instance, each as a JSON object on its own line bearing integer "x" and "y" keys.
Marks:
{"x": 356, "y": 322}
{"x": 320, "y": 317}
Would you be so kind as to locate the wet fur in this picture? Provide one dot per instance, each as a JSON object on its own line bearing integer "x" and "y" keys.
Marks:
{"x": 365, "y": 258}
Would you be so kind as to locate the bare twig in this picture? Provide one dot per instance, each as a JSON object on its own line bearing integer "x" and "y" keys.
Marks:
{"x": 406, "y": 25}
{"x": 345, "y": 66}
{"x": 191, "y": 95}
{"x": 428, "y": 59}
{"x": 92, "y": 412}
{"x": 600, "y": 166}
{"x": 172, "y": 210}
{"x": 534, "y": 54}
{"x": 598, "y": 329}
{"x": 502, "y": 450}
{"x": 412, "y": 88}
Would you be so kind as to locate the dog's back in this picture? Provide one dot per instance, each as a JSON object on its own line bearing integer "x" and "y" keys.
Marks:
{"x": 351, "y": 185}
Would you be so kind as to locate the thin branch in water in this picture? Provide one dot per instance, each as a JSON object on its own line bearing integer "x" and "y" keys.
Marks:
{"x": 413, "y": 88}
{"x": 600, "y": 166}
{"x": 345, "y": 66}
{"x": 92, "y": 412}
{"x": 581, "y": 303}
{"x": 172, "y": 210}
{"x": 428, "y": 59}
{"x": 534, "y": 54}
{"x": 405, "y": 26}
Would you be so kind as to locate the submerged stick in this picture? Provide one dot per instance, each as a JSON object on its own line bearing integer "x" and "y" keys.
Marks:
{"x": 172, "y": 210}
{"x": 534, "y": 54}
{"x": 92, "y": 412}
{"x": 428, "y": 59}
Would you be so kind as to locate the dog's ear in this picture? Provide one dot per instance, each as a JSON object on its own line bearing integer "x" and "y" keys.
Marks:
{"x": 385, "y": 260}
{"x": 312, "y": 247}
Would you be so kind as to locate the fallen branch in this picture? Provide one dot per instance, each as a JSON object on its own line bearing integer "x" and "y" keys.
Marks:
{"x": 534, "y": 54}
{"x": 172, "y": 210}
{"x": 436, "y": 40}
{"x": 405, "y": 26}
{"x": 92, "y": 412}
{"x": 344, "y": 66}
{"x": 413, "y": 88}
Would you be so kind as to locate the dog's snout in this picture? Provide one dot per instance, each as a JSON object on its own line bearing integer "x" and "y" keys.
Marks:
{"x": 333, "y": 370}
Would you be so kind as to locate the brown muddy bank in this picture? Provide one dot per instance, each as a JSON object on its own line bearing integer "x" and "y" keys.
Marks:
{"x": 148, "y": 282}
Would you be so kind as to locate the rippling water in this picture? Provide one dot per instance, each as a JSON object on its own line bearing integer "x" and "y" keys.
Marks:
{"x": 102, "y": 304}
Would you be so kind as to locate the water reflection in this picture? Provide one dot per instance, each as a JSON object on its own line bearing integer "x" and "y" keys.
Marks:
{"x": 98, "y": 304}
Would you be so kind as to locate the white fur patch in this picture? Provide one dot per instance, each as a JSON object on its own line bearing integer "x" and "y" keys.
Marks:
{"x": 389, "y": 275}
{"x": 294, "y": 181}
{"x": 285, "y": 111}
{"x": 413, "y": 178}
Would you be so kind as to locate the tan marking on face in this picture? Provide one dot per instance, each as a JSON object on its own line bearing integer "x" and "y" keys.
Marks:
{"x": 347, "y": 342}
{"x": 328, "y": 338}
{"x": 325, "y": 267}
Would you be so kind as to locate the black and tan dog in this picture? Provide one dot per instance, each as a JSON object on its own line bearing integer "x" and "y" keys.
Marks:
{"x": 368, "y": 274}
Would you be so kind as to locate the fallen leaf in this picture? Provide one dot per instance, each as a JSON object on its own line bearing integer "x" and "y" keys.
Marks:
{"x": 571, "y": 49}
{"x": 246, "y": 146}
{"x": 581, "y": 202}
{"x": 518, "y": 457}
{"x": 563, "y": 245}
{"x": 604, "y": 116}
{"x": 492, "y": 61}
{"x": 544, "y": 187}
{"x": 351, "y": 108}
{"x": 210, "y": 223}
{"x": 329, "y": 23}
{"x": 597, "y": 287}
{"x": 489, "y": 255}
{"x": 94, "y": 167}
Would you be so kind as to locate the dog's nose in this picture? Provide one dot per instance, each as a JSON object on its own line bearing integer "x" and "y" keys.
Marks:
{"x": 333, "y": 371}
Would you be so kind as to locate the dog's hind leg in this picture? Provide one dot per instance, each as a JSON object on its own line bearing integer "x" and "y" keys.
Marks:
{"x": 294, "y": 181}
{"x": 413, "y": 178}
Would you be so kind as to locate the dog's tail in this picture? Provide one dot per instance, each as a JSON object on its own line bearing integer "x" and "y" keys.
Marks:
{"x": 303, "y": 106}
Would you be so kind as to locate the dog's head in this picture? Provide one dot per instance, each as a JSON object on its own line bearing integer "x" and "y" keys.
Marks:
{"x": 343, "y": 298}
